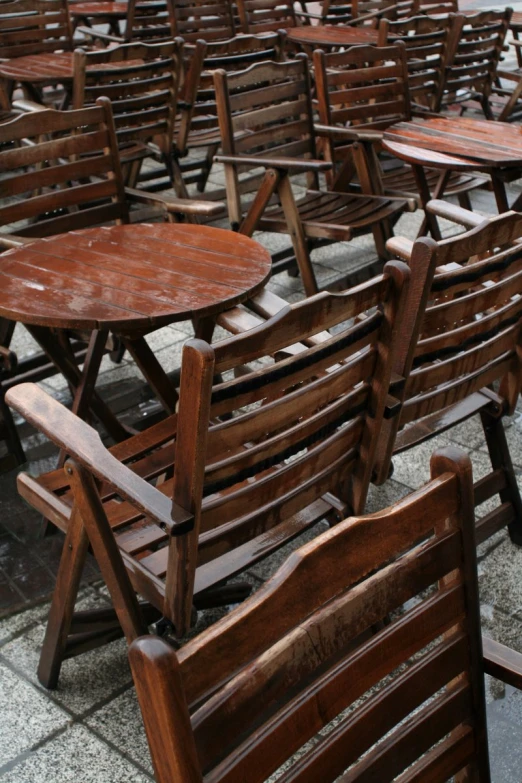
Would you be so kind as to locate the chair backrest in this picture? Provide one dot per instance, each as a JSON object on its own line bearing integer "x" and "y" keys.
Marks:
{"x": 265, "y": 16}
{"x": 474, "y": 51}
{"x": 363, "y": 87}
{"x": 235, "y": 54}
{"x": 368, "y": 11}
{"x": 256, "y": 451}
{"x": 34, "y": 26}
{"x": 210, "y": 20}
{"x": 362, "y": 653}
{"x": 465, "y": 315}
{"x": 142, "y": 83}
{"x": 265, "y": 110}
{"x": 426, "y": 41}
{"x": 61, "y": 171}
{"x": 150, "y": 20}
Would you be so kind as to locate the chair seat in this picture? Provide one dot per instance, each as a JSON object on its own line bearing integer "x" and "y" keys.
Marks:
{"x": 143, "y": 545}
{"x": 402, "y": 179}
{"x": 323, "y": 212}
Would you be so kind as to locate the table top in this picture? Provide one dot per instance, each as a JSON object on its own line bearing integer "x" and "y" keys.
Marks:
{"x": 130, "y": 277}
{"x": 39, "y": 67}
{"x": 516, "y": 20}
{"x": 477, "y": 143}
{"x": 331, "y": 35}
{"x": 101, "y": 8}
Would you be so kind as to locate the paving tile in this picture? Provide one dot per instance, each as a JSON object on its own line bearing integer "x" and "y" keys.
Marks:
{"x": 32, "y": 716}
{"x": 85, "y": 681}
{"x": 499, "y": 577}
{"x": 77, "y": 756}
{"x": 121, "y": 723}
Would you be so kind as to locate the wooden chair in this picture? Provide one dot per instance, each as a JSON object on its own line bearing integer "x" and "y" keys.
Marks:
{"x": 61, "y": 172}
{"x": 474, "y": 52}
{"x": 34, "y": 27}
{"x": 465, "y": 315}
{"x": 146, "y": 21}
{"x": 361, "y": 92}
{"x": 300, "y": 670}
{"x": 425, "y": 39}
{"x": 266, "y": 122}
{"x": 266, "y": 16}
{"x": 198, "y": 127}
{"x": 247, "y": 464}
{"x": 142, "y": 81}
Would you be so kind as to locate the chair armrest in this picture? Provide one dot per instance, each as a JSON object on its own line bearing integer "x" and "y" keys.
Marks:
{"x": 513, "y": 76}
{"x": 455, "y": 214}
{"x": 502, "y": 662}
{"x": 238, "y": 320}
{"x": 347, "y": 134}
{"x": 275, "y": 163}
{"x": 92, "y": 34}
{"x": 170, "y": 204}
{"x": 84, "y": 444}
{"x": 8, "y": 241}
{"x": 400, "y": 247}
{"x": 29, "y": 106}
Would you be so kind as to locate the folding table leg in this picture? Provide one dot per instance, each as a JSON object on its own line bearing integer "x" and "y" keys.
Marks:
{"x": 153, "y": 372}
{"x": 430, "y": 221}
{"x": 73, "y": 374}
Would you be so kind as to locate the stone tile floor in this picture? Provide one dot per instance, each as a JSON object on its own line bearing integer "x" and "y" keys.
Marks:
{"x": 90, "y": 729}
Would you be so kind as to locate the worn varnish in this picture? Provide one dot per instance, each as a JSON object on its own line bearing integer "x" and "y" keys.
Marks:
{"x": 343, "y": 640}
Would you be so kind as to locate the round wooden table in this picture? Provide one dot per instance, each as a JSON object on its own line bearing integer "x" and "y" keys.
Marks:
{"x": 40, "y": 68}
{"x": 128, "y": 279}
{"x": 330, "y": 35}
{"x": 459, "y": 144}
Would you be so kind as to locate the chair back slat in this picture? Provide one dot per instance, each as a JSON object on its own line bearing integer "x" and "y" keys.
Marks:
{"x": 60, "y": 170}
{"x": 33, "y": 27}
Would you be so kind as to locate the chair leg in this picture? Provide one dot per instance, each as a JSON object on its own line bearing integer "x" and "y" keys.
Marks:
{"x": 14, "y": 444}
{"x": 64, "y": 598}
{"x": 465, "y": 201}
{"x": 501, "y": 460}
{"x": 295, "y": 229}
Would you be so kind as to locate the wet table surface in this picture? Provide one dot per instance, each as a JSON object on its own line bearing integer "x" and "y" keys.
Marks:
{"x": 130, "y": 277}
{"x": 331, "y": 35}
{"x": 38, "y": 68}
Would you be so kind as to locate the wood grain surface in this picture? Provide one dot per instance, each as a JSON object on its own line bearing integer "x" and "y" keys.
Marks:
{"x": 134, "y": 276}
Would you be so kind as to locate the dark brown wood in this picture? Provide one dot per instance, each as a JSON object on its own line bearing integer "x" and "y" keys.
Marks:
{"x": 330, "y": 35}
{"x": 262, "y": 16}
{"x": 198, "y": 122}
{"x": 265, "y": 118}
{"x": 468, "y": 328}
{"x": 426, "y": 40}
{"x": 361, "y": 91}
{"x": 251, "y": 460}
{"x": 263, "y": 681}
{"x": 365, "y": 13}
{"x": 142, "y": 82}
